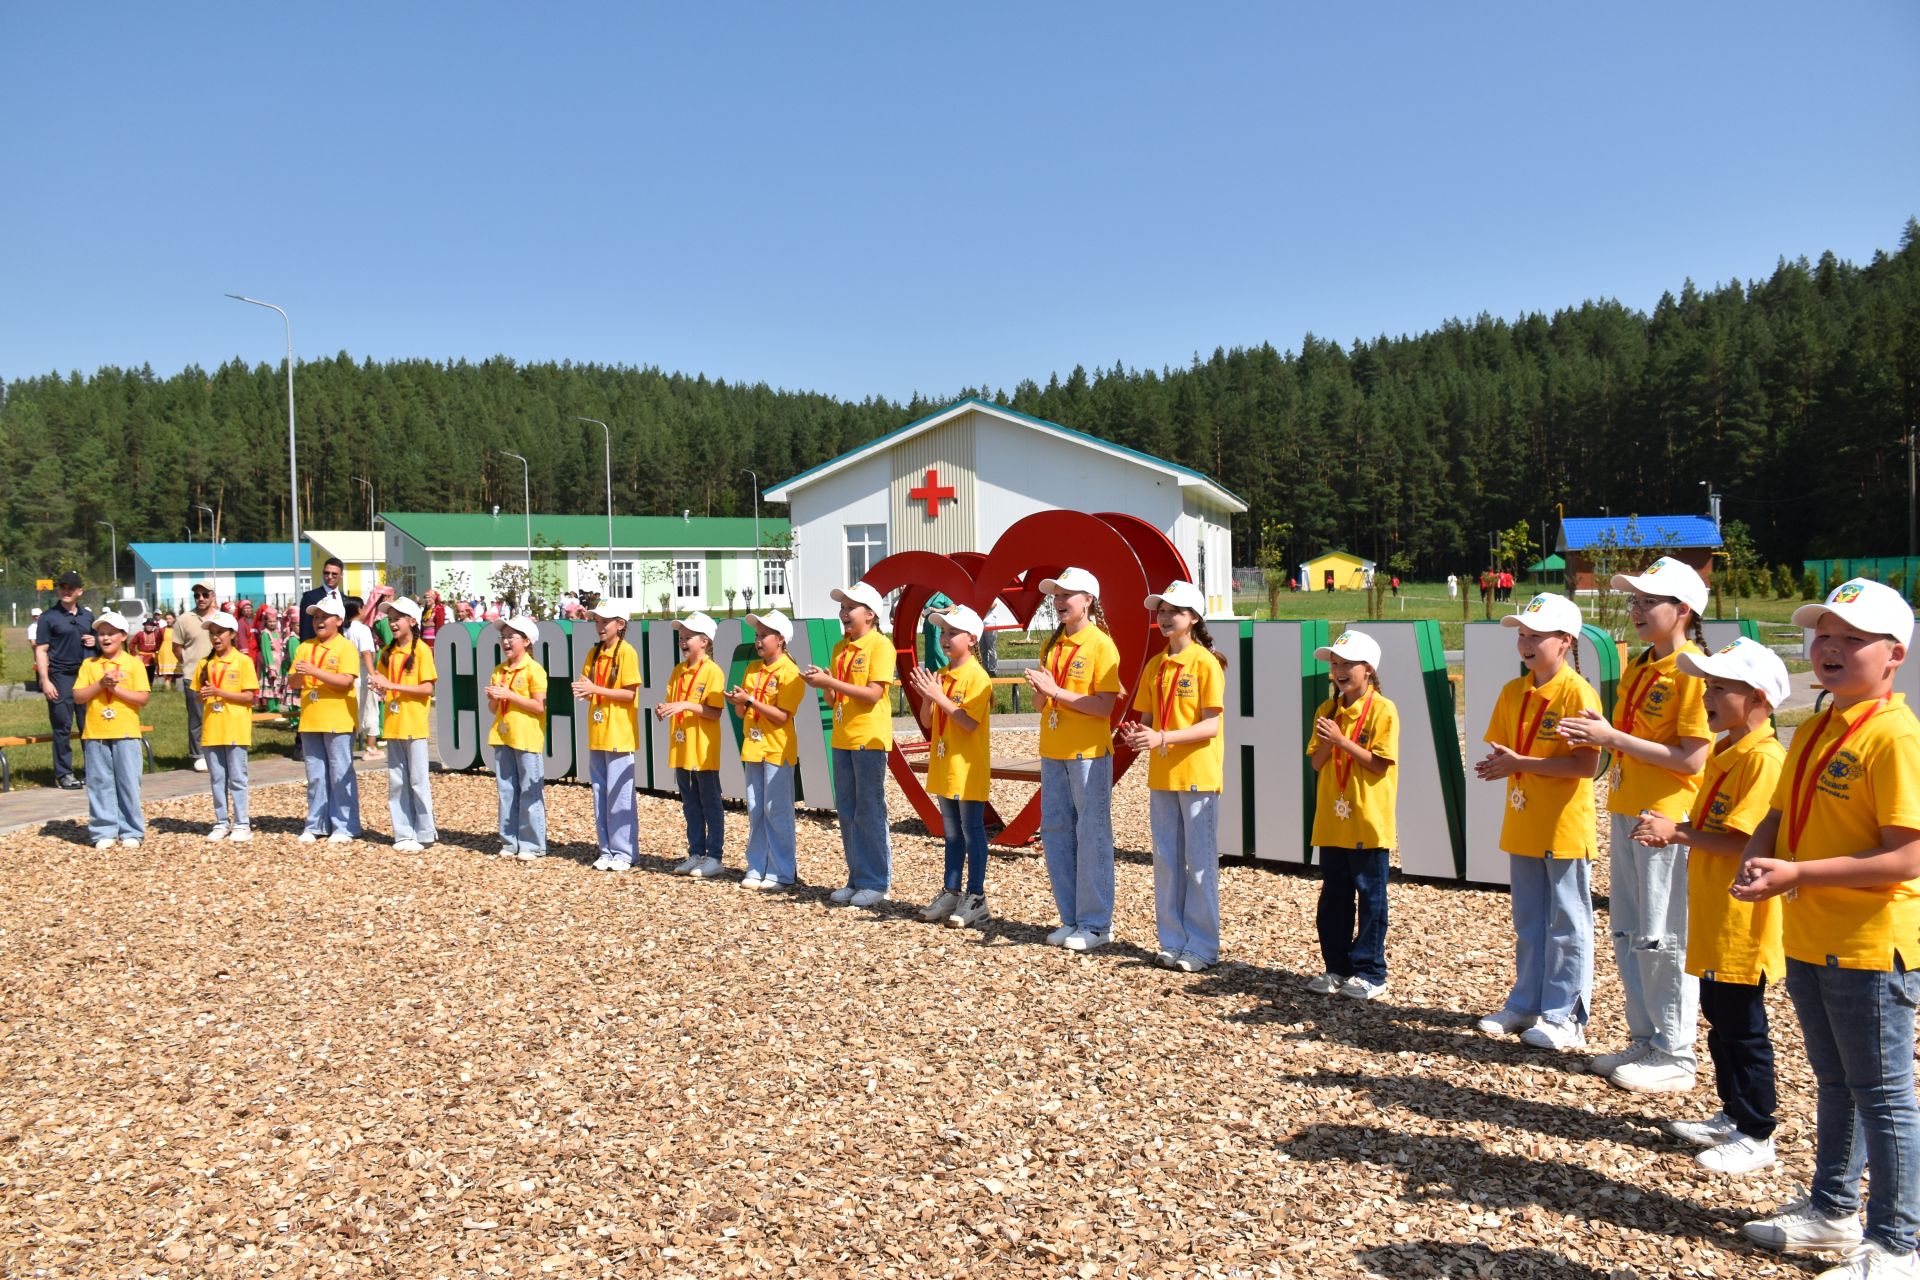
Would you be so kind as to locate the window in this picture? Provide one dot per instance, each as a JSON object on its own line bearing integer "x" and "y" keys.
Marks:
{"x": 866, "y": 547}
{"x": 1202, "y": 584}
{"x": 773, "y": 579}
{"x": 409, "y": 582}
{"x": 620, "y": 579}
{"x": 686, "y": 579}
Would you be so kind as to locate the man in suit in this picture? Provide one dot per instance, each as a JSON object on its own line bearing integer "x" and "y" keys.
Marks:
{"x": 330, "y": 574}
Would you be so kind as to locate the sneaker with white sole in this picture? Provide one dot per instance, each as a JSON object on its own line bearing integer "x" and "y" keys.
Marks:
{"x": 200, "y": 764}
{"x": 1558, "y": 1036}
{"x": 685, "y": 865}
{"x": 707, "y": 869}
{"x": 1166, "y": 959}
{"x": 1704, "y": 1133}
{"x": 941, "y": 907}
{"x": 1655, "y": 1073}
{"x": 1608, "y": 1063}
{"x": 1058, "y": 938}
{"x": 340, "y": 837}
{"x": 1798, "y": 1226}
{"x": 767, "y": 882}
{"x": 408, "y": 846}
{"x": 129, "y": 842}
{"x": 843, "y": 895}
{"x": 619, "y": 864}
{"x": 220, "y": 832}
{"x": 508, "y": 851}
{"x": 1505, "y": 1023}
{"x": 1191, "y": 963}
{"x": 531, "y": 855}
{"x": 751, "y": 880}
{"x": 1088, "y": 939}
{"x": 1868, "y": 1261}
{"x": 603, "y": 863}
{"x": 1739, "y": 1154}
{"x": 1326, "y": 984}
{"x": 1359, "y": 988}
{"x": 971, "y": 911}
{"x": 309, "y": 837}
{"x": 241, "y": 835}
{"x": 107, "y": 843}
{"x": 868, "y": 898}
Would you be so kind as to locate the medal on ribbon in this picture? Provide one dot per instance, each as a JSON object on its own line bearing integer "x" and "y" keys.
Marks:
{"x": 599, "y": 716}
{"x": 1341, "y": 809}
{"x": 1516, "y": 799}
{"x": 940, "y": 749}
{"x": 1053, "y": 718}
{"x": 679, "y": 735}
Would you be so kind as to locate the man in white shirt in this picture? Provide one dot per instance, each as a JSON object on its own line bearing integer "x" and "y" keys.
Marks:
{"x": 329, "y": 589}
{"x": 362, "y": 637}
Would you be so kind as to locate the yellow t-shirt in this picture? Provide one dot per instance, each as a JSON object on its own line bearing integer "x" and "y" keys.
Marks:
{"x": 961, "y": 764}
{"x": 613, "y": 726}
{"x": 324, "y": 709}
{"x": 1356, "y": 810}
{"x": 777, "y": 682}
{"x": 696, "y": 740}
{"x": 1729, "y": 940}
{"x": 1545, "y": 814}
{"x": 1871, "y": 782}
{"x": 408, "y": 714}
{"x": 868, "y": 660}
{"x": 1173, "y": 691}
{"x": 107, "y": 716}
{"x": 1660, "y": 703}
{"x": 223, "y": 723}
{"x": 514, "y": 727}
{"x": 1085, "y": 662}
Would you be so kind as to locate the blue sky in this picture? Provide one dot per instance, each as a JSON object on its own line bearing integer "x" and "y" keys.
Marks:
{"x": 881, "y": 199}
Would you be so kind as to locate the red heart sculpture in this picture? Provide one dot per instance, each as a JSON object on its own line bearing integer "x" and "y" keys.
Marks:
{"x": 1128, "y": 556}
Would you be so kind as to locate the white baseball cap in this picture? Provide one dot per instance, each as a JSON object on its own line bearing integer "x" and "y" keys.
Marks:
{"x": 959, "y": 618}
{"x": 1865, "y": 605}
{"x": 528, "y": 627}
{"x": 1747, "y": 661}
{"x": 1071, "y": 580}
{"x": 862, "y": 593}
{"x": 1180, "y": 595}
{"x": 1666, "y": 577}
{"x": 1351, "y": 646}
{"x": 609, "y": 608}
{"x": 774, "y": 621}
{"x": 328, "y": 605}
{"x": 1546, "y": 612}
{"x": 400, "y": 604}
{"x": 698, "y": 624}
{"x": 222, "y": 619}
{"x": 111, "y": 619}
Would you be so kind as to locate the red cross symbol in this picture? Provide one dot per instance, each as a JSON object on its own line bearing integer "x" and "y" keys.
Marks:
{"x": 932, "y": 492}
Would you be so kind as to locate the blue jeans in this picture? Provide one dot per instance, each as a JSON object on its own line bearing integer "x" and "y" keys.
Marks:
{"x": 410, "y": 790}
{"x": 522, "y": 777}
{"x": 1352, "y": 915}
{"x": 113, "y": 788}
{"x": 1186, "y": 871}
{"x": 860, "y": 794}
{"x": 1552, "y": 904}
{"x": 1858, "y": 1026}
{"x": 227, "y": 770}
{"x": 706, "y": 820}
{"x": 1076, "y": 830}
{"x": 333, "y": 793}
{"x": 770, "y": 835}
{"x": 616, "y": 816}
{"x": 965, "y": 824}
{"x": 1649, "y": 918}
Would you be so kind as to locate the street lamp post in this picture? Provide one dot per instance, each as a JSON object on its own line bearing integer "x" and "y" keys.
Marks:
{"x": 372, "y": 560}
{"x": 293, "y": 457}
{"x": 526, "y": 494}
{"x": 113, "y": 566}
{"x": 213, "y": 520}
{"x": 759, "y": 574}
{"x": 606, "y": 431}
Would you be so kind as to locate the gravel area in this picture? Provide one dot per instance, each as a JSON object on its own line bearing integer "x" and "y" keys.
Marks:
{"x": 302, "y": 1060}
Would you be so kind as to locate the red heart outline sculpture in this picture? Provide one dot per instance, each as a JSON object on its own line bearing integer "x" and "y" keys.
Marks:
{"x": 1130, "y": 558}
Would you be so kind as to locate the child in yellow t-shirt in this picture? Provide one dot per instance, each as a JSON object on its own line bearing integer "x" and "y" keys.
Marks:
{"x": 517, "y": 690}
{"x": 696, "y": 691}
{"x": 611, "y": 689}
{"x": 1733, "y": 947}
{"x": 1355, "y": 742}
{"x": 955, "y": 709}
{"x": 325, "y": 672}
{"x": 1076, "y": 687}
{"x": 1842, "y": 843}
{"x": 1547, "y": 830}
{"x": 403, "y": 677}
{"x": 227, "y": 686}
{"x": 861, "y": 670}
{"x": 1181, "y": 698}
{"x": 767, "y": 701}
{"x": 112, "y": 685}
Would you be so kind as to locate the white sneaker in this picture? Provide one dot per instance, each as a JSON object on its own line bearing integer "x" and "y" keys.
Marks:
{"x": 1358, "y": 988}
{"x": 308, "y": 837}
{"x": 603, "y": 863}
{"x": 1608, "y": 1063}
{"x": 1739, "y": 1154}
{"x": 619, "y": 864}
{"x": 407, "y": 846}
{"x": 129, "y": 842}
{"x": 1058, "y": 938}
{"x": 707, "y": 869}
{"x": 220, "y": 832}
{"x": 340, "y": 837}
{"x": 751, "y": 880}
{"x": 1560, "y": 1036}
{"x": 868, "y": 898}
{"x": 509, "y": 851}
{"x": 1655, "y": 1073}
{"x": 1325, "y": 985}
{"x": 1166, "y": 959}
{"x": 1798, "y": 1227}
{"x": 1704, "y": 1133}
{"x": 1505, "y": 1023}
{"x": 685, "y": 865}
{"x": 971, "y": 911}
{"x": 1190, "y": 963}
{"x": 107, "y": 843}
{"x": 766, "y": 883}
{"x": 941, "y": 907}
{"x": 241, "y": 835}
{"x": 200, "y": 764}
{"x": 1088, "y": 939}
{"x": 1868, "y": 1261}
{"x": 530, "y": 855}
{"x": 843, "y": 895}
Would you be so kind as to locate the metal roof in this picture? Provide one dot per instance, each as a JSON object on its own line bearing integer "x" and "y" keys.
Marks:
{"x": 1577, "y": 533}
{"x": 198, "y": 557}
{"x": 508, "y": 531}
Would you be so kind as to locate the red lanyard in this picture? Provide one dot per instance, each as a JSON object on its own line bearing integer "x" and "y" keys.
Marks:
{"x": 1799, "y": 810}
{"x": 214, "y": 672}
{"x": 939, "y": 715}
{"x": 1523, "y": 735}
{"x": 680, "y": 688}
{"x": 843, "y": 667}
{"x": 1063, "y": 661}
{"x": 760, "y": 694}
{"x": 1342, "y": 762}
{"x": 1163, "y": 691}
{"x": 397, "y": 666}
{"x": 1637, "y": 694}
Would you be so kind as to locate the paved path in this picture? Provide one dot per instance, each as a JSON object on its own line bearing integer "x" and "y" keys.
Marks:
{"x": 35, "y": 805}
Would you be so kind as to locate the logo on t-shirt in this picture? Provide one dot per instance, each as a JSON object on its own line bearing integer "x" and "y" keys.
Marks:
{"x": 1837, "y": 779}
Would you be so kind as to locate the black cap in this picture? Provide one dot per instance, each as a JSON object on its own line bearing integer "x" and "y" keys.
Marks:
{"x": 71, "y": 578}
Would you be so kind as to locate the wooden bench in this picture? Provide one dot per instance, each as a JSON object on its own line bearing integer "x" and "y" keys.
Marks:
{"x": 31, "y": 739}
{"x": 1008, "y": 769}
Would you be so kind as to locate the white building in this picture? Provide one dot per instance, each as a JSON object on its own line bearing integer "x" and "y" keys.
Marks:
{"x": 164, "y": 572}
{"x": 956, "y": 479}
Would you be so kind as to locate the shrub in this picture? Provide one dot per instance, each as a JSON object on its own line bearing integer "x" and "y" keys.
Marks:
{"x": 1809, "y": 586}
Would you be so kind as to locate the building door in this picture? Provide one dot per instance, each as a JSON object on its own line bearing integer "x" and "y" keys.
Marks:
{"x": 1329, "y": 580}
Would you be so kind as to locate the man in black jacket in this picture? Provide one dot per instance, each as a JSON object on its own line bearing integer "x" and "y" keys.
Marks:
{"x": 329, "y": 590}
{"x": 62, "y": 640}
